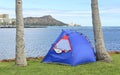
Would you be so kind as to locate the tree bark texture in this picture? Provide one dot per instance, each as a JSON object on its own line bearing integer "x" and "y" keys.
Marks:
{"x": 101, "y": 53}
{"x": 20, "y": 45}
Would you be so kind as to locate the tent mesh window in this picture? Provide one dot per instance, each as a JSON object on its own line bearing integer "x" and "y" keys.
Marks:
{"x": 63, "y": 45}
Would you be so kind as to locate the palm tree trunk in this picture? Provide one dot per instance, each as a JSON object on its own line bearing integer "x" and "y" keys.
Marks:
{"x": 20, "y": 46}
{"x": 101, "y": 53}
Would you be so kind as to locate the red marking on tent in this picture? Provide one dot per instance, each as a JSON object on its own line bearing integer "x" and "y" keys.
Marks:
{"x": 65, "y": 37}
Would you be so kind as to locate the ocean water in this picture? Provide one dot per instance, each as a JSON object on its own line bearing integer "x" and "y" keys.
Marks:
{"x": 39, "y": 40}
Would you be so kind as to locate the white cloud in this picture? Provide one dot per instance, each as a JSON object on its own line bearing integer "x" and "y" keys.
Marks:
{"x": 62, "y": 13}
{"x": 11, "y": 12}
{"x": 111, "y": 11}
{"x": 42, "y": 12}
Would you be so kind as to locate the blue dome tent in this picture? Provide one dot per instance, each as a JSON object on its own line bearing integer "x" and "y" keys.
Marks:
{"x": 71, "y": 48}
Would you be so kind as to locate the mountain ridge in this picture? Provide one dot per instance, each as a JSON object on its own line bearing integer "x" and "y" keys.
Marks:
{"x": 46, "y": 20}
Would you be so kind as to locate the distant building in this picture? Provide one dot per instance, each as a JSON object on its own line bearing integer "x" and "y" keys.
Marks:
{"x": 5, "y": 20}
{"x": 6, "y": 16}
{"x": 73, "y": 24}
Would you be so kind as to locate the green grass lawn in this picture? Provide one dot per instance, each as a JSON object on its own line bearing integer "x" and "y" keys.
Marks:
{"x": 36, "y": 68}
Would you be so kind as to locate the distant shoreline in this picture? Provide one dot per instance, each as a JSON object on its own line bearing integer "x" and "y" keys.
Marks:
{"x": 28, "y": 27}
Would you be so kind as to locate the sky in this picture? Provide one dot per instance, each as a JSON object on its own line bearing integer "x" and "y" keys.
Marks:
{"x": 67, "y": 11}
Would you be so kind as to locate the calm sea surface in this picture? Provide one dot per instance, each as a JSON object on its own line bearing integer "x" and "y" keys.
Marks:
{"x": 39, "y": 40}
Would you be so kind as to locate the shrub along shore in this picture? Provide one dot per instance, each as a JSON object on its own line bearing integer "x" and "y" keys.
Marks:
{"x": 40, "y": 58}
